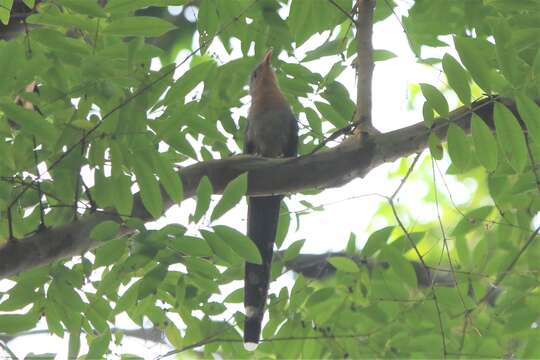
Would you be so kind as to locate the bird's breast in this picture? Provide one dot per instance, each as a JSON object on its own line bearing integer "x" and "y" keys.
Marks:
{"x": 269, "y": 132}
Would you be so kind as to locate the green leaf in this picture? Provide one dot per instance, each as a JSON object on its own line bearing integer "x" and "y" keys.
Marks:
{"x": 472, "y": 220}
{"x": 207, "y": 21}
{"x": 169, "y": 178}
{"x": 520, "y": 319}
{"x": 204, "y": 192}
{"x": 435, "y": 98}
{"x": 293, "y": 250}
{"x": 30, "y": 122}
{"x": 191, "y": 245}
{"x": 99, "y": 346}
{"x": 45, "y": 356}
{"x": 237, "y": 296}
{"x": 19, "y": 297}
{"x": 5, "y": 10}
{"x": 338, "y": 97}
{"x": 510, "y": 137}
{"x": 327, "y": 49}
{"x": 320, "y": 296}
{"x": 457, "y": 78}
{"x": 139, "y": 26}
{"x": 128, "y": 6}
{"x": 128, "y": 298}
{"x": 219, "y": 247}
{"x": 435, "y": 146}
{"x": 530, "y": 113}
{"x": 122, "y": 196}
{"x": 10, "y": 53}
{"x": 110, "y": 252}
{"x": 474, "y": 58}
{"x": 232, "y": 195}
{"x": 463, "y": 251}
{"x": 331, "y": 115}
{"x": 174, "y": 336}
{"x": 401, "y": 267}
{"x": 178, "y": 141}
{"x": 535, "y": 69}
{"x": 506, "y": 53}
{"x": 284, "y": 221}
{"x": 382, "y": 55}
{"x": 334, "y": 72}
{"x": 351, "y": 244}
{"x": 12, "y": 324}
{"x": 90, "y": 8}
{"x": 105, "y": 230}
{"x": 201, "y": 267}
{"x": 241, "y": 244}
{"x": 53, "y": 319}
{"x": 74, "y": 345}
{"x": 458, "y": 147}
{"x": 484, "y": 142}
{"x": 189, "y": 80}
{"x": 427, "y": 114}
{"x": 149, "y": 188}
{"x": 66, "y": 295}
{"x": 480, "y": 253}
{"x": 377, "y": 240}
{"x": 58, "y": 41}
{"x": 343, "y": 264}
{"x": 151, "y": 281}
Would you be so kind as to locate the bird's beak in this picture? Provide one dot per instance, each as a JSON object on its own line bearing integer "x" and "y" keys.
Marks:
{"x": 267, "y": 59}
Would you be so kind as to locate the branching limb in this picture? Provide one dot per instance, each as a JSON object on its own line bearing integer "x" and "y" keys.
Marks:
{"x": 326, "y": 169}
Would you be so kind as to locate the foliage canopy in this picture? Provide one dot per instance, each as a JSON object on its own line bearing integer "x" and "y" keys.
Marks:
{"x": 105, "y": 127}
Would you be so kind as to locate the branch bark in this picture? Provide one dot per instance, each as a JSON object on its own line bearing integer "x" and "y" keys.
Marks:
{"x": 316, "y": 266}
{"x": 332, "y": 168}
{"x": 364, "y": 64}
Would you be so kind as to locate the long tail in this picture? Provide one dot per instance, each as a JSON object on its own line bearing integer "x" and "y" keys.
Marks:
{"x": 263, "y": 216}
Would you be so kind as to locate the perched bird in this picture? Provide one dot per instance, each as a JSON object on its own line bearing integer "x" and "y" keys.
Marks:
{"x": 272, "y": 131}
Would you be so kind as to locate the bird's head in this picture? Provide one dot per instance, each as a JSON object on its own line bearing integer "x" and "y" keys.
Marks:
{"x": 263, "y": 76}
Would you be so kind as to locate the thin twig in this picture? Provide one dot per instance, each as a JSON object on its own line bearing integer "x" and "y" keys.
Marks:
{"x": 337, "y": 133}
{"x": 421, "y": 258}
{"x": 345, "y": 12}
{"x": 516, "y": 258}
{"x": 207, "y": 340}
{"x": 533, "y": 166}
{"x": 19, "y": 181}
{"x": 409, "y": 172}
{"x": 443, "y": 234}
{"x": 458, "y": 210}
{"x": 6, "y": 348}
{"x": 38, "y": 185}
{"x": 447, "y": 249}
{"x": 78, "y": 181}
{"x": 10, "y": 225}
{"x": 418, "y": 254}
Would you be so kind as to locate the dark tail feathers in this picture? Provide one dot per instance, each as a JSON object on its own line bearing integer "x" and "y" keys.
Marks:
{"x": 263, "y": 216}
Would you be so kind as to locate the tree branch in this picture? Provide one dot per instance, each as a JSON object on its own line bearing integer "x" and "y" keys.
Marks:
{"x": 333, "y": 168}
{"x": 364, "y": 64}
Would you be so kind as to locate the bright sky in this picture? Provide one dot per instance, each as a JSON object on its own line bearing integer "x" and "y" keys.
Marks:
{"x": 327, "y": 230}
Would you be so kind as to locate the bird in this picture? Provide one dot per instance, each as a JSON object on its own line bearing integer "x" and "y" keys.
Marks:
{"x": 271, "y": 131}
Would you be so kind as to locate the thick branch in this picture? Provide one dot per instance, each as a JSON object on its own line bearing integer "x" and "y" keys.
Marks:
{"x": 322, "y": 170}
{"x": 316, "y": 266}
{"x": 364, "y": 63}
